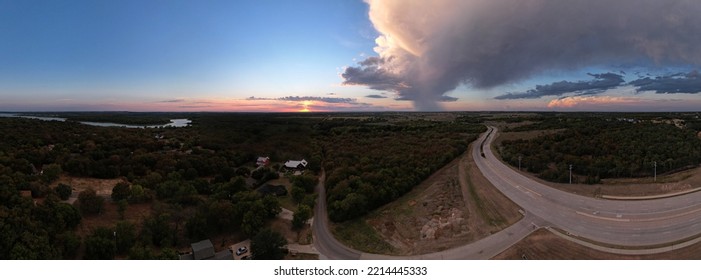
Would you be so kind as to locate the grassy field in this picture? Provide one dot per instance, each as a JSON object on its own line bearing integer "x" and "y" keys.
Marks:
{"x": 359, "y": 235}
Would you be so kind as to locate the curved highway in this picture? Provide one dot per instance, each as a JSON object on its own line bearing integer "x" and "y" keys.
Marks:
{"x": 627, "y": 223}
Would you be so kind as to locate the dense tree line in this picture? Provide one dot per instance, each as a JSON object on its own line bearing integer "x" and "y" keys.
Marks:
{"x": 369, "y": 164}
{"x": 604, "y": 147}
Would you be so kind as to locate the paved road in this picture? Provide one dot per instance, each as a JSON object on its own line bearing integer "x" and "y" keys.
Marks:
{"x": 631, "y": 223}
{"x": 324, "y": 241}
{"x": 330, "y": 248}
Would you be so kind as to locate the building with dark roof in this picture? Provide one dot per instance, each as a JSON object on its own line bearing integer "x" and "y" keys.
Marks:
{"x": 204, "y": 250}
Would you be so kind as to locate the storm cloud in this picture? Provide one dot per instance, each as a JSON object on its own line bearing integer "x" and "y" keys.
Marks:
{"x": 376, "y": 96}
{"x": 599, "y": 84}
{"x": 428, "y": 48}
{"x": 674, "y": 83}
{"x": 333, "y": 100}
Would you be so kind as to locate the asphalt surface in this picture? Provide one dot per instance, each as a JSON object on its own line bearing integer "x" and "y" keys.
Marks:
{"x": 614, "y": 222}
{"x": 629, "y": 223}
{"x": 324, "y": 241}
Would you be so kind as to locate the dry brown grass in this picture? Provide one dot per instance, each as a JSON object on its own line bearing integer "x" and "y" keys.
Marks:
{"x": 457, "y": 196}
{"x": 544, "y": 245}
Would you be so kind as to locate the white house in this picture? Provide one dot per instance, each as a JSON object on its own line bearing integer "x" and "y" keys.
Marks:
{"x": 296, "y": 164}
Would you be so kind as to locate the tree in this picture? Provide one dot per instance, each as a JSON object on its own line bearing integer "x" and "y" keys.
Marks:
{"x": 140, "y": 252}
{"x": 100, "y": 245}
{"x": 305, "y": 181}
{"x": 67, "y": 215}
{"x": 125, "y": 236}
{"x": 64, "y": 191}
{"x": 90, "y": 202}
{"x": 157, "y": 230}
{"x": 138, "y": 195}
{"x": 169, "y": 254}
{"x": 268, "y": 245}
{"x": 68, "y": 243}
{"x": 252, "y": 222}
{"x": 300, "y": 217}
{"x": 196, "y": 227}
{"x": 51, "y": 172}
{"x": 298, "y": 194}
{"x": 122, "y": 207}
{"x": 121, "y": 191}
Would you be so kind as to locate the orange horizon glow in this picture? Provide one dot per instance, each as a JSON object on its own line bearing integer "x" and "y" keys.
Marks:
{"x": 206, "y": 105}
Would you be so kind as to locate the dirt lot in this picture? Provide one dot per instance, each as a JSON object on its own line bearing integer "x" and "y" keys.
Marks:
{"x": 681, "y": 181}
{"x": 544, "y": 245}
{"x": 79, "y": 184}
{"x": 454, "y": 206}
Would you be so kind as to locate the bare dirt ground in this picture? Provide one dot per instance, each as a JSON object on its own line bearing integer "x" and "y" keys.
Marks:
{"x": 79, "y": 184}
{"x": 668, "y": 184}
{"x": 544, "y": 245}
{"x": 454, "y": 206}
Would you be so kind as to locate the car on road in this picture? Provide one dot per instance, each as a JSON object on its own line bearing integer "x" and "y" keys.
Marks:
{"x": 241, "y": 251}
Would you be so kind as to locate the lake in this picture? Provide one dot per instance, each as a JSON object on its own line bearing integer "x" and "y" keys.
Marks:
{"x": 173, "y": 122}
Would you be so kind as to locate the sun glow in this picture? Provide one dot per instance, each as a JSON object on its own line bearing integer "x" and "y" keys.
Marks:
{"x": 305, "y": 108}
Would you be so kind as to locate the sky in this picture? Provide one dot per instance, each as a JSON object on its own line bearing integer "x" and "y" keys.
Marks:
{"x": 350, "y": 55}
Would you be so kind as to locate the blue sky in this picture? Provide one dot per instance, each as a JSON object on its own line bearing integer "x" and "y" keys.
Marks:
{"x": 106, "y": 51}
{"x": 242, "y": 56}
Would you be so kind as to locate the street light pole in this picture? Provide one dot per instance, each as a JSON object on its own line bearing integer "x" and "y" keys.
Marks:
{"x": 655, "y": 163}
{"x": 570, "y": 174}
{"x": 519, "y": 163}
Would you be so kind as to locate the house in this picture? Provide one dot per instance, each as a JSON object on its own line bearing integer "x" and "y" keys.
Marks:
{"x": 296, "y": 164}
{"x": 263, "y": 161}
{"x": 204, "y": 250}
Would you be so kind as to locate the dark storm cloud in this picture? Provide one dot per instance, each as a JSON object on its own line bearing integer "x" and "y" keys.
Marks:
{"x": 448, "y": 99}
{"x": 377, "y": 96}
{"x": 335, "y": 100}
{"x": 372, "y": 77}
{"x": 600, "y": 83}
{"x": 440, "y": 99}
{"x": 675, "y": 83}
{"x": 427, "y": 48}
{"x": 316, "y": 98}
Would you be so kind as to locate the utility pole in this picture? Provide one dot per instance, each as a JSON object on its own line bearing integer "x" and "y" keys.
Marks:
{"x": 570, "y": 174}
{"x": 519, "y": 163}
{"x": 655, "y": 163}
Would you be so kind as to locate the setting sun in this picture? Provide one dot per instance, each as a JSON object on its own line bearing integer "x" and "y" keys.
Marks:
{"x": 306, "y": 106}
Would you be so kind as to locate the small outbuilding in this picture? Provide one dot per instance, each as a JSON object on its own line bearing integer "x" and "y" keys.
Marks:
{"x": 263, "y": 161}
{"x": 204, "y": 250}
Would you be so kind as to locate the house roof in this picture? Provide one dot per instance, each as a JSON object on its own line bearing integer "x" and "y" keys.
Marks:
{"x": 203, "y": 249}
{"x": 224, "y": 255}
{"x": 295, "y": 163}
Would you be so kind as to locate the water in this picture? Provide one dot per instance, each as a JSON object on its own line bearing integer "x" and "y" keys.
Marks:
{"x": 173, "y": 122}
